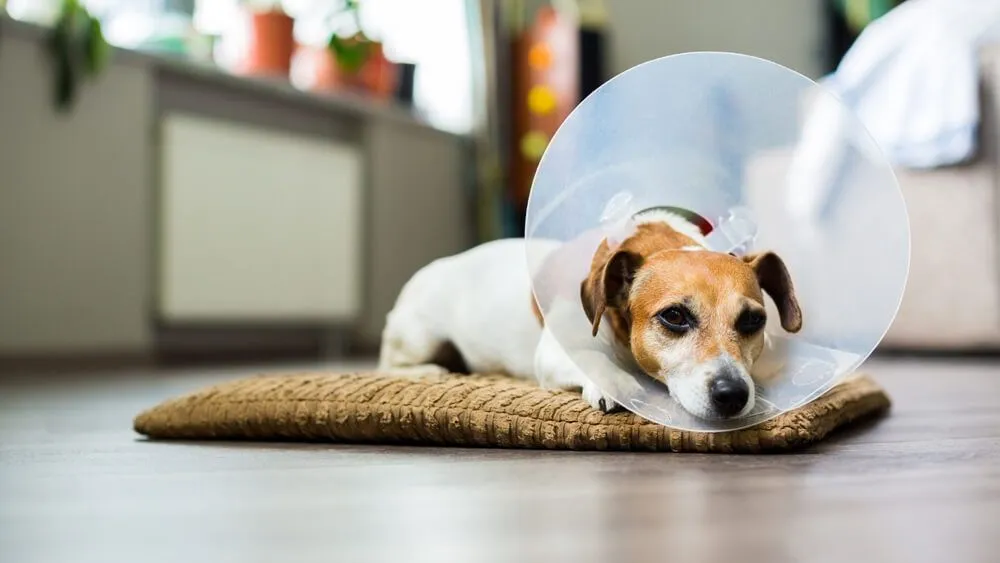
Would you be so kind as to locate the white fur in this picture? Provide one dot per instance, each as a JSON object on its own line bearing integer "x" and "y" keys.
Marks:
{"x": 676, "y": 222}
{"x": 556, "y": 370}
{"x": 480, "y": 301}
{"x": 689, "y": 381}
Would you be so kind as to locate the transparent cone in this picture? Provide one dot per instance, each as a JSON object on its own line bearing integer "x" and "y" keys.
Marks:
{"x": 774, "y": 163}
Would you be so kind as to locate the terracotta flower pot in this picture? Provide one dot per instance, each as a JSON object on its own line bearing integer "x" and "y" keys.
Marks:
{"x": 271, "y": 44}
{"x": 380, "y": 76}
{"x": 315, "y": 69}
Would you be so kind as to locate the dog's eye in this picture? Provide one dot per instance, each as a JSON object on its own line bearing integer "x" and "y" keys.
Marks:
{"x": 750, "y": 322}
{"x": 675, "y": 319}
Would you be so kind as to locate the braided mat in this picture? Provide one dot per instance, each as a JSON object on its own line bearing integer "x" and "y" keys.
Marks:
{"x": 488, "y": 411}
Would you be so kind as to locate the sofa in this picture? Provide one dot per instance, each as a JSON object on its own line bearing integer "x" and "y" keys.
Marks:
{"x": 952, "y": 297}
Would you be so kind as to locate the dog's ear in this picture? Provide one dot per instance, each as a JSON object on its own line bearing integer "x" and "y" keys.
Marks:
{"x": 773, "y": 277}
{"x": 608, "y": 285}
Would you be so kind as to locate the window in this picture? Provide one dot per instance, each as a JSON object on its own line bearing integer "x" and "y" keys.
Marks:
{"x": 436, "y": 37}
{"x": 433, "y": 35}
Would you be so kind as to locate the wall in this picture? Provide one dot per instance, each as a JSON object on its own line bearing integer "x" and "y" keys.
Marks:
{"x": 78, "y": 206}
{"x": 790, "y": 32}
{"x": 419, "y": 211}
{"x": 74, "y": 209}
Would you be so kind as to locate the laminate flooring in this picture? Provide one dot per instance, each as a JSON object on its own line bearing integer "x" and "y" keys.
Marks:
{"x": 76, "y": 484}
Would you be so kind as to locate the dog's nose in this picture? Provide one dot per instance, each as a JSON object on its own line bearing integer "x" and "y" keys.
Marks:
{"x": 729, "y": 394}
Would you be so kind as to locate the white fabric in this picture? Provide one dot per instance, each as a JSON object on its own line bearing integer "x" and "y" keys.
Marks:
{"x": 912, "y": 79}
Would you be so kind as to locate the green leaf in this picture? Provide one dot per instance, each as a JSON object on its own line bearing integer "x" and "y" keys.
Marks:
{"x": 96, "y": 48}
{"x": 58, "y": 38}
{"x": 59, "y": 46}
{"x": 66, "y": 84}
{"x": 77, "y": 49}
{"x": 351, "y": 54}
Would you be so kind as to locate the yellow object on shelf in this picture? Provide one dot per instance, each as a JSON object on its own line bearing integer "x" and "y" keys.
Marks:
{"x": 541, "y": 100}
{"x": 533, "y": 145}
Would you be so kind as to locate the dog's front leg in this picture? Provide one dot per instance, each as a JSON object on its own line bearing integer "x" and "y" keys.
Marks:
{"x": 555, "y": 370}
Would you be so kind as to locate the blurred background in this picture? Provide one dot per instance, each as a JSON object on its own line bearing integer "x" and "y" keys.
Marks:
{"x": 220, "y": 180}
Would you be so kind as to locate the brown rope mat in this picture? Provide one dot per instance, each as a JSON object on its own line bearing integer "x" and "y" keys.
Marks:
{"x": 477, "y": 410}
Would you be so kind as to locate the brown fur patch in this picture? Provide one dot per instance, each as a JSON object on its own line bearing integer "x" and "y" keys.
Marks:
{"x": 648, "y": 239}
{"x": 774, "y": 278}
{"x": 715, "y": 287}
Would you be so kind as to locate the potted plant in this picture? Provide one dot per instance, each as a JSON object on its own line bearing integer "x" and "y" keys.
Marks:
{"x": 351, "y": 60}
{"x": 78, "y": 51}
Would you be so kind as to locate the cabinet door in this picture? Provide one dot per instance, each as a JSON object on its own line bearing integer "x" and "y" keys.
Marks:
{"x": 257, "y": 225}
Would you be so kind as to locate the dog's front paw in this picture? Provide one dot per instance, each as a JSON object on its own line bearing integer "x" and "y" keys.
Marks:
{"x": 598, "y": 400}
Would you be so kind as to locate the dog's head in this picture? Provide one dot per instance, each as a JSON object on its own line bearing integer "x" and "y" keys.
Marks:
{"x": 693, "y": 319}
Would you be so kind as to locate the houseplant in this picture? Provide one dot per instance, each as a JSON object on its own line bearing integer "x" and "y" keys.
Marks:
{"x": 351, "y": 51}
{"x": 78, "y": 51}
{"x": 351, "y": 59}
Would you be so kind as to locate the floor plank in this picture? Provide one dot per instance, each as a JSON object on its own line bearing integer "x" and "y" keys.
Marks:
{"x": 76, "y": 484}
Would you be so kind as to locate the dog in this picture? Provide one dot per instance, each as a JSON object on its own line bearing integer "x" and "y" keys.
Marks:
{"x": 688, "y": 317}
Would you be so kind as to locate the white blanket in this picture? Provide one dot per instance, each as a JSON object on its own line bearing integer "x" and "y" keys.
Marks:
{"x": 912, "y": 79}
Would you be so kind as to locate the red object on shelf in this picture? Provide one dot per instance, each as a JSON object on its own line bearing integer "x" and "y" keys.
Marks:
{"x": 378, "y": 76}
{"x": 271, "y": 44}
{"x": 315, "y": 69}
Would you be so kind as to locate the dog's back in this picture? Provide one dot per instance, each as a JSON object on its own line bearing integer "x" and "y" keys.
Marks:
{"x": 478, "y": 302}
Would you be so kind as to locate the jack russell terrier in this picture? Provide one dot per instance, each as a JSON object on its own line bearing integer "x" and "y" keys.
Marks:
{"x": 688, "y": 317}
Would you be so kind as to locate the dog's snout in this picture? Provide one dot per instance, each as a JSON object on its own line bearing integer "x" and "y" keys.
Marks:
{"x": 729, "y": 393}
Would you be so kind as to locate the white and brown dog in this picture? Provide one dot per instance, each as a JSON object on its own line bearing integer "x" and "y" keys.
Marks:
{"x": 688, "y": 317}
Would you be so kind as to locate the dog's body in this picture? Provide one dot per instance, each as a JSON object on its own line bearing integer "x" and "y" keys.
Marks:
{"x": 480, "y": 303}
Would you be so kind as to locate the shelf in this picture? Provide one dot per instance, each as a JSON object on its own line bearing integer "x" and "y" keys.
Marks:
{"x": 339, "y": 102}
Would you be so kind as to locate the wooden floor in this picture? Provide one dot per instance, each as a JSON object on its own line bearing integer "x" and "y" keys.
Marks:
{"x": 77, "y": 485}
